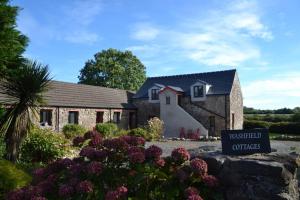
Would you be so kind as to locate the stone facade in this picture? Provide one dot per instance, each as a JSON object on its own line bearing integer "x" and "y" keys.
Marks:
{"x": 216, "y": 112}
{"x": 87, "y": 117}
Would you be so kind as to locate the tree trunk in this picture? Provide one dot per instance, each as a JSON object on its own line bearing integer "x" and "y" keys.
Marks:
{"x": 12, "y": 153}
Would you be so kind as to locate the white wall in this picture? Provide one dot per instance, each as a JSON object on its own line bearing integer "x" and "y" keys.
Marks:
{"x": 175, "y": 117}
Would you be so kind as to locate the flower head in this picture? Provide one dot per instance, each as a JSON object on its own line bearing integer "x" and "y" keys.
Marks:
{"x": 65, "y": 190}
{"x": 160, "y": 162}
{"x": 91, "y": 134}
{"x": 198, "y": 166}
{"x": 78, "y": 141}
{"x": 136, "y": 157}
{"x": 194, "y": 197}
{"x": 95, "y": 140}
{"x": 180, "y": 155}
{"x": 190, "y": 191}
{"x": 153, "y": 152}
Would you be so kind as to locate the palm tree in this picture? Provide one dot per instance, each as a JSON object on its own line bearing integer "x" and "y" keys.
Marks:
{"x": 24, "y": 91}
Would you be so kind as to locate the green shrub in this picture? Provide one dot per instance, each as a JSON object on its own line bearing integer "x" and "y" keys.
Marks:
{"x": 285, "y": 128}
{"x": 140, "y": 132}
{"x": 73, "y": 130}
{"x": 11, "y": 177}
{"x": 43, "y": 145}
{"x": 106, "y": 129}
{"x": 121, "y": 132}
{"x": 250, "y": 124}
{"x": 155, "y": 128}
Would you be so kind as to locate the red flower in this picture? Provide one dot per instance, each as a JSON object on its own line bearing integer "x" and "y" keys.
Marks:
{"x": 199, "y": 166}
{"x": 180, "y": 155}
{"x": 210, "y": 181}
{"x": 95, "y": 140}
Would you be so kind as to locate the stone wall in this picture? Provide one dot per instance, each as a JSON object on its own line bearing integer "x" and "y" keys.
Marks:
{"x": 236, "y": 105}
{"x": 145, "y": 110}
{"x": 86, "y": 117}
{"x": 213, "y": 106}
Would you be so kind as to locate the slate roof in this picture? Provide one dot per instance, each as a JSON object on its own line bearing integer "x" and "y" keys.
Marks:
{"x": 65, "y": 94}
{"x": 221, "y": 82}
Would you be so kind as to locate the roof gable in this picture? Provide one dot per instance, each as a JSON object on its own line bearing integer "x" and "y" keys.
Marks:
{"x": 221, "y": 82}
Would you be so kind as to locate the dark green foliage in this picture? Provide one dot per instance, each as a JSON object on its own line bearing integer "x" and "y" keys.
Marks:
{"x": 269, "y": 117}
{"x": 12, "y": 41}
{"x": 248, "y": 110}
{"x": 43, "y": 145}
{"x": 140, "y": 132}
{"x": 2, "y": 147}
{"x": 250, "y": 124}
{"x": 296, "y": 117}
{"x": 2, "y": 112}
{"x": 11, "y": 177}
{"x": 106, "y": 129}
{"x": 285, "y": 128}
{"x": 115, "y": 69}
{"x": 73, "y": 130}
{"x": 25, "y": 90}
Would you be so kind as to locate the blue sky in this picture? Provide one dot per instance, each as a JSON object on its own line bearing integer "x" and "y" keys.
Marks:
{"x": 258, "y": 38}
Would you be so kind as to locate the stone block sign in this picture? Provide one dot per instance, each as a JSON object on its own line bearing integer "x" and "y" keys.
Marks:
{"x": 239, "y": 142}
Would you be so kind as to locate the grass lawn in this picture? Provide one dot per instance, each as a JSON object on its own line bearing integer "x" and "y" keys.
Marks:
{"x": 278, "y": 136}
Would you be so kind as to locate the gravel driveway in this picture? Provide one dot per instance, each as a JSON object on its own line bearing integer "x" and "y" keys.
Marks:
{"x": 168, "y": 146}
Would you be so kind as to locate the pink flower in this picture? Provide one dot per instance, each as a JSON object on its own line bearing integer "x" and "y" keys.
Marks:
{"x": 160, "y": 162}
{"x": 194, "y": 197}
{"x": 180, "y": 155}
{"x": 210, "y": 181}
{"x": 65, "y": 190}
{"x": 84, "y": 187}
{"x": 135, "y": 149}
{"x": 198, "y": 166}
{"x": 136, "y": 157}
{"x": 190, "y": 191}
{"x": 133, "y": 140}
{"x": 94, "y": 168}
{"x": 87, "y": 152}
{"x": 122, "y": 191}
{"x": 116, "y": 144}
{"x": 153, "y": 152}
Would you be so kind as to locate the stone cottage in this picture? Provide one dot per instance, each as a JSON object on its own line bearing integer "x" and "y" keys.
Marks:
{"x": 202, "y": 102}
{"x": 70, "y": 103}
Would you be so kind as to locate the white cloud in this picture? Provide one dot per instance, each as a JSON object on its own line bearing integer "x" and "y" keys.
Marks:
{"x": 144, "y": 32}
{"x": 273, "y": 91}
{"x": 222, "y": 37}
{"x": 82, "y": 37}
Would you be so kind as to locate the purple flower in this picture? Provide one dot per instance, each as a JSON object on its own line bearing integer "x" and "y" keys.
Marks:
{"x": 95, "y": 140}
{"x": 44, "y": 187}
{"x": 116, "y": 144}
{"x": 84, "y": 187}
{"x": 73, "y": 181}
{"x": 190, "y": 191}
{"x": 180, "y": 155}
{"x": 76, "y": 169}
{"x": 210, "y": 181}
{"x": 199, "y": 166}
{"x": 88, "y": 152}
{"x": 78, "y": 141}
{"x": 16, "y": 195}
{"x": 194, "y": 197}
{"x": 38, "y": 198}
{"x": 136, "y": 157}
{"x": 65, "y": 190}
{"x": 94, "y": 168}
{"x": 133, "y": 140}
{"x": 153, "y": 152}
{"x": 100, "y": 154}
{"x": 67, "y": 162}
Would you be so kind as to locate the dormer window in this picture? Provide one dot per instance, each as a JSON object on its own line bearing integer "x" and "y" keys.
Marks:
{"x": 198, "y": 91}
{"x": 154, "y": 94}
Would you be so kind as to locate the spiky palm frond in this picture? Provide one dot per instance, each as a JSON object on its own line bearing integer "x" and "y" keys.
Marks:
{"x": 24, "y": 90}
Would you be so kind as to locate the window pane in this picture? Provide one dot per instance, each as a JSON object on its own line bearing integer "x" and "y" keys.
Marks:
{"x": 116, "y": 117}
{"x": 167, "y": 100}
{"x": 73, "y": 117}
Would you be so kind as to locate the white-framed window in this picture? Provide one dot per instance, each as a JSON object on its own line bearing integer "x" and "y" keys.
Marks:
{"x": 154, "y": 94}
{"x": 198, "y": 91}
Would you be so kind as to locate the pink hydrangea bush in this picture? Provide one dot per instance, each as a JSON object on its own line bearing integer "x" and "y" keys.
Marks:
{"x": 118, "y": 169}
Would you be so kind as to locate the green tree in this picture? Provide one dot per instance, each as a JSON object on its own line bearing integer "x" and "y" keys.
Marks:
{"x": 12, "y": 41}
{"x": 24, "y": 91}
{"x": 115, "y": 69}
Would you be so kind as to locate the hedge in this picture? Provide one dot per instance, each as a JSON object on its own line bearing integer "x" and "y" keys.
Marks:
{"x": 279, "y": 127}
